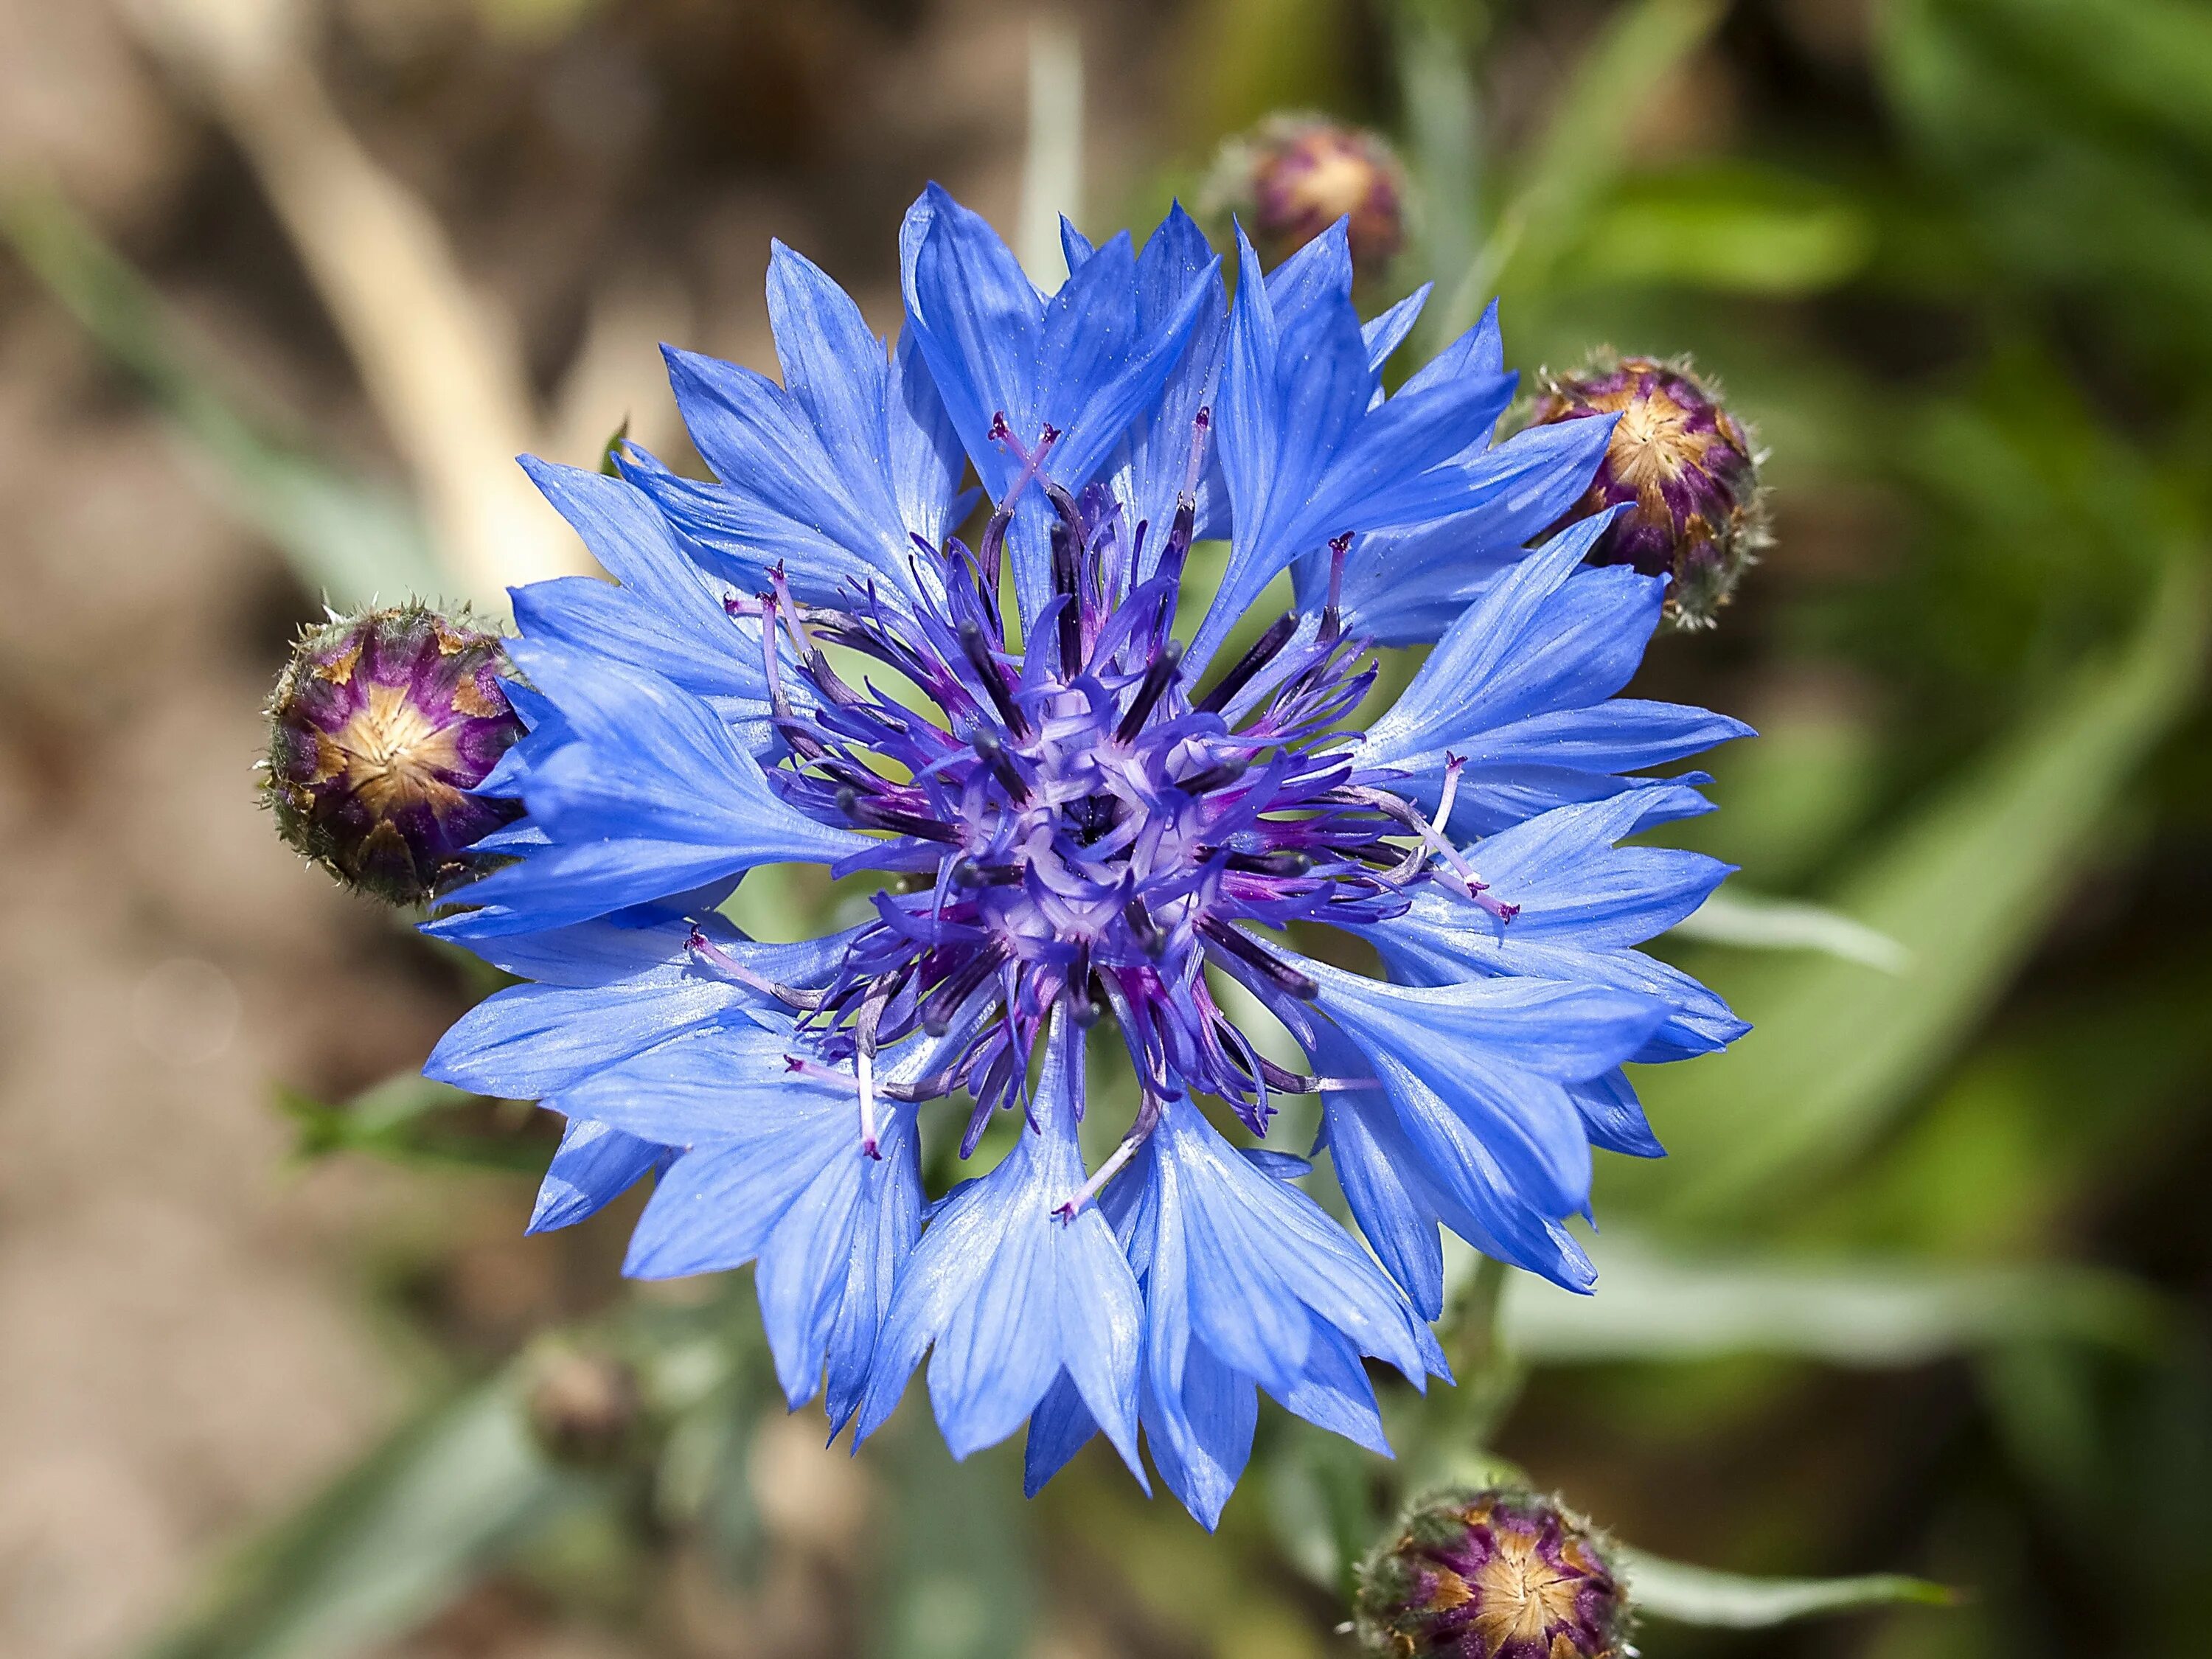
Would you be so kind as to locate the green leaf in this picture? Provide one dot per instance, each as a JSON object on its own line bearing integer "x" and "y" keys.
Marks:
{"x": 343, "y": 537}
{"x": 1735, "y": 231}
{"x": 390, "y": 1542}
{"x": 1698, "y": 1596}
{"x": 408, "y": 1119}
{"x": 1967, "y": 888}
{"x": 1861, "y": 1312}
{"x": 1751, "y": 922}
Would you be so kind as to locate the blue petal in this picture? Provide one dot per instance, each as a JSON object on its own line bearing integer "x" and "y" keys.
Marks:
{"x": 1614, "y": 1117}
{"x": 1060, "y": 1427}
{"x": 1305, "y": 455}
{"x": 1384, "y": 334}
{"x": 653, "y": 796}
{"x": 716, "y": 1084}
{"x": 1012, "y": 1298}
{"x": 593, "y": 1166}
{"x": 532, "y": 1041}
{"x": 1405, "y": 586}
{"x": 883, "y": 1237}
{"x": 1086, "y": 361}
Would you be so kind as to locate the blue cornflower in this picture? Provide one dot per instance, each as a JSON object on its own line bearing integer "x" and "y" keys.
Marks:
{"x": 1084, "y": 824}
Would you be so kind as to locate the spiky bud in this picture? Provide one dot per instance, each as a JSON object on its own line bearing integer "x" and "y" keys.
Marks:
{"x": 1687, "y": 469}
{"x": 1293, "y": 176}
{"x": 380, "y": 726}
{"x": 1495, "y": 1574}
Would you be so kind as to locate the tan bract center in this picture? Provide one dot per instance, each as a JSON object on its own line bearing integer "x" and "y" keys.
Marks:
{"x": 391, "y": 756}
{"x": 1523, "y": 1595}
{"x": 1653, "y": 442}
{"x": 1336, "y": 182}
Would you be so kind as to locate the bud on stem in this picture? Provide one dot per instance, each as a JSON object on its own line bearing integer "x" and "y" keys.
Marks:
{"x": 1685, "y": 468}
{"x": 380, "y": 726}
{"x": 1293, "y": 176}
{"x": 1493, "y": 1574}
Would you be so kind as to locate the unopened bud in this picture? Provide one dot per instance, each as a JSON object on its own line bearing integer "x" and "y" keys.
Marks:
{"x": 583, "y": 1405}
{"x": 1496, "y": 1574}
{"x": 378, "y": 727}
{"x": 1293, "y": 176}
{"x": 1687, "y": 469}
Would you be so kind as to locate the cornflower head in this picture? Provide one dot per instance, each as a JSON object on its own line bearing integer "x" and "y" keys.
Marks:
{"x": 1090, "y": 819}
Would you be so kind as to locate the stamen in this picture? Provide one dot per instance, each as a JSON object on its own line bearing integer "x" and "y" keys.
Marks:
{"x": 801, "y": 642}
{"x": 1083, "y": 1010}
{"x": 1212, "y": 777}
{"x": 1067, "y": 578}
{"x": 1454, "y": 765}
{"x": 1261, "y": 654}
{"x": 1141, "y": 924}
{"x": 1331, "y": 618}
{"x": 993, "y": 752}
{"x": 978, "y": 652}
{"x": 1032, "y": 460}
{"x": 941, "y": 1004}
{"x": 864, "y": 1031}
{"x": 969, "y": 873}
{"x": 1159, "y": 676}
{"x": 873, "y": 815}
{"x": 1148, "y": 1117}
{"x": 1247, "y": 950}
{"x": 1201, "y": 427}
{"x": 698, "y": 945}
{"x": 1286, "y": 862}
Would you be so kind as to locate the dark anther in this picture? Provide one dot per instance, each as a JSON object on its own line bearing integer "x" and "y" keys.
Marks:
{"x": 978, "y": 652}
{"x": 1157, "y": 678}
{"x": 1142, "y": 927}
{"x": 1261, "y": 654}
{"x": 1238, "y": 944}
{"x": 1288, "y": 863}
{"x": 941, "y": 1004}
{"x": 1067, "y": 577}
{"x": 873, "y": 815}
{"x": 910, "y": 823}
{"x": 1211, "y": 777}
{"x": 994, "y": 755}
{"x": 969, "y": 874}
{"x": 1081, "y": 1006}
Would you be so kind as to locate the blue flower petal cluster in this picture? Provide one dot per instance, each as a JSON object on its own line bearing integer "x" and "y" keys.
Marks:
{"x": 1084, "y": 828}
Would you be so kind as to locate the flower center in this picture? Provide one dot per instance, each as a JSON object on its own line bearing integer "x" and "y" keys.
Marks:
{"x": 1074, "y": 819}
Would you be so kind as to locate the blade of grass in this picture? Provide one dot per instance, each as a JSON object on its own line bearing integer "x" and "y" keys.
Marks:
{"x": 1584, "y": 147}
{"x": 1751, "y": 922}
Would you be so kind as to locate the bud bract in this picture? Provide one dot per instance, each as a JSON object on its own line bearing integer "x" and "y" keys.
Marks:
{"x": 1293, "y": 176}
{"x": 1494, "y": 1574}
{"x": 1687, "y": 469}
{"x": 380, "y": 726}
